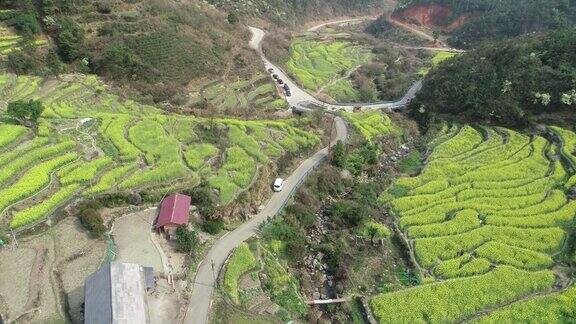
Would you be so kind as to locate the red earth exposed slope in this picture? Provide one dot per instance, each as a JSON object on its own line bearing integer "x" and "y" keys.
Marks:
{"x": 431, "y": 16}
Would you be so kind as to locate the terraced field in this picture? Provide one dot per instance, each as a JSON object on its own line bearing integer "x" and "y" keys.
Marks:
{"x": 371, "y": 124}
{"x": 256, "y": 93}
{"x": 487, "y": 221}
{"x": 91, "y": 142}
{"x": 315, "y": 63}
{"x": 10, "y": 42}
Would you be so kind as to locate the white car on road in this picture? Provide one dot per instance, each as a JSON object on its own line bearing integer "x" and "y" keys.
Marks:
{"x": 278, "y": 184}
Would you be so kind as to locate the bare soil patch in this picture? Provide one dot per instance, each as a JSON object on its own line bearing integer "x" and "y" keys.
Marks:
{"x": 48, "y": 273}
{"x": 431, "y": 16}
{"x": 131, "y": 234}
{"x": 15, "y": 269}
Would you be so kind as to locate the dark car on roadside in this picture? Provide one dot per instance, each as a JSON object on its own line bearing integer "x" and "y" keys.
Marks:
{"x": 286, "y": 87}
{"x": 270, "y": 70}
{"x": 280, "y": 81}
{"x": 288, "y": 93}
{"x": 275, "y": 76}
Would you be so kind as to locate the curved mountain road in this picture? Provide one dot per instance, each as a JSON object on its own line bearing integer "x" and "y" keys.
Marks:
{"x": 206, "y": 276}
{"x": 302, "y": 99}
{"x": 208, "y": 270}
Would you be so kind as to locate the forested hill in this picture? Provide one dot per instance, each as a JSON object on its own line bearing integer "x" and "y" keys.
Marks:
{"x": 494, "y": 19}
{"x": 509, "y": 83}
{"x": 293, "y": 12}
{"x": 156, "y": 47}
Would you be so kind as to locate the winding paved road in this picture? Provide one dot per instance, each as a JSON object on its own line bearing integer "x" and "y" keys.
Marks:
{"x": 303, "y": 100}
{"x": 208, "y": 270}
{"x": 203, "y": 288}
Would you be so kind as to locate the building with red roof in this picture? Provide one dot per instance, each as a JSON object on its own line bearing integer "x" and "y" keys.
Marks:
{"x": 174, "y": 211}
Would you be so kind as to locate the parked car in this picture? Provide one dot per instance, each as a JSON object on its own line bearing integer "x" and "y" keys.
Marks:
{"x": 278, "y": 184}
{"x": 280, "y": 81}
{"x": 286, "y": 87}
{"x": 270, "y": 70}
{"x": 275, "y": 76}
{"x": 288, "y": 93}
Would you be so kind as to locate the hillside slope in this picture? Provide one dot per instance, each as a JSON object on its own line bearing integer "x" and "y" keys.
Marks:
{"x": 508, "y": 83}
{"x": 473, "y": 21}
{"x": 155, "y": 46}
{"x": 294, "y": 12}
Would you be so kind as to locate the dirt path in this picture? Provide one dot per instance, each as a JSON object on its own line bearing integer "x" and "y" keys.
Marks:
{"x": 415, "y": 31}
{"x": 340, "y": 21}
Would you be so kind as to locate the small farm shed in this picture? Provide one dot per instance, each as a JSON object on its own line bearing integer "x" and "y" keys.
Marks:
{"x": 174, "y": 211}
{"x": 116, "y": 293}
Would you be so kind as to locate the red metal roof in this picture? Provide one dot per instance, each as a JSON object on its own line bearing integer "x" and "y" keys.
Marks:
{"x": 174, "y": 210}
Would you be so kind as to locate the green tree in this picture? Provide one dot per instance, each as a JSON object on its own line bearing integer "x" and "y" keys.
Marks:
{"x": 436, "y": 35}
{"x": 187, "y": 240}
{"x": 25, "y": 112}
{"x": 25, "y": 22}
{"x": 69, "y": 39}
{"x": 233, "y": 17}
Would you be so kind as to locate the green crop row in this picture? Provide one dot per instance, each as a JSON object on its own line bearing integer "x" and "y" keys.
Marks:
{"x": 462, "y": 266}
{"x": 561, "y": 217}
{"x": 85, "y": 171}
{"x": 430, "y": 250}
{"x": 518, "y": 257}
{"x": 239, "y": 263}
{"x": 32, "y": 158}
{"x": 554, "y": 308}
{"x": 466, "y": 140}
{"x": 484, "y": 205}
{"x": 371, "y": 124}
{"x": 35, "y": 179}
{"x": 19, "y": 151}
{"x": 110, "y": 178}
{"x": 114, "y": 129}
{"x": 10, "y": 133}
{"x": 155, "y": 176}
{"x": 238, "y": 136}
{"x": 463, "y": 221}
{"x": 238, "y": 171}
{"x": 197, "y": 155}
{"x": 151, "y": 138}
{"x": 41, "y": 210}
{"x": 456, "y": 299}
{"x": 315, "y": 63}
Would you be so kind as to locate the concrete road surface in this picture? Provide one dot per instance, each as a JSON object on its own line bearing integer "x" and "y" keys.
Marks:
{"x": 203, "y": 288}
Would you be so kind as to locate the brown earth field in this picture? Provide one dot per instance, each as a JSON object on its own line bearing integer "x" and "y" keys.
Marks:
{"x": 43, "y": 276}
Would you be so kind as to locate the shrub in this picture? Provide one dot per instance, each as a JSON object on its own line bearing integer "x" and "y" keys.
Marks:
{"x": 89, "y": 216}
{"x": 213, "y": 226}
{"x": 352, "y": 213}
{"x": 26, "y": 112}
{"x": 187, "y": 240}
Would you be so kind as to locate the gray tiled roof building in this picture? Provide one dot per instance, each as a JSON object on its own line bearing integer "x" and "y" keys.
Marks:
{"x": 116, "y": 293}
